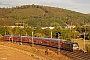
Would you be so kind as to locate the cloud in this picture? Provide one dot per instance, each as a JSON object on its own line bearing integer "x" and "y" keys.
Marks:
{"x": 58, "y": 3}
{"x": 5, "y": 5}
{"x": 82, "y": 1}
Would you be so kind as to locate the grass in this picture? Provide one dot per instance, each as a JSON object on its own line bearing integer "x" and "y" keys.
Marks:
{"x": 81, "y": 43}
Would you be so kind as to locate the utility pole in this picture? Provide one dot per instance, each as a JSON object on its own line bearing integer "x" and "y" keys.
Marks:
{"x": 12, "y": 38}
{"x": 84, "y": 35}
{"x": 5, "y": 32}
{"x": 21, "y": 39}
{"x": 51, "y": 34}
{"x": 58, "y": 44}
{"x": 84, "y": 40}
{"x": 32, "y": 39}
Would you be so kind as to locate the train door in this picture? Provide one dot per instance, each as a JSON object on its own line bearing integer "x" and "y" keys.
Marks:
{"x": 48, "y": 42}
{"x": 40, "y": 41}
{"x": 30, "y": 39}
{"x": 36, "y": 40}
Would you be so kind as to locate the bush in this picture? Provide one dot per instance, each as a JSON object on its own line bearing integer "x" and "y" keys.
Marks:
{"x": 87, "y": 47}
{"x": 81, "y": 50}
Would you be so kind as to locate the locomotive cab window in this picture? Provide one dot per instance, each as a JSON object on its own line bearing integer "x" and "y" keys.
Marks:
{"x": 75, "y": 45}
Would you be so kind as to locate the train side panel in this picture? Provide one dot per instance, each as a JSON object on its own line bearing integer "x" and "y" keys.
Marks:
{"x": 54, "y": 43}
{"x": 16, "y": 38}
{"x": 7, "y": 37}
{"x": 45, "y": 41}
{"x": 36, "y": 40}
{"x": 24, "y": 39}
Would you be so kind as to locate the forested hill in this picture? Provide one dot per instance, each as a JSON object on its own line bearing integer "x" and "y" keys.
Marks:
{"x": 34, "y": 15}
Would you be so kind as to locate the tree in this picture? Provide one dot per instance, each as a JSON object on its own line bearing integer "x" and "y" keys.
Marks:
{"x": 38, "y": 32}
{"x": 29, "y": 31}
{"x": 66, "y": 34}
{"x": 16, "y": 31}
{"x": 89, "y": 36}
{"x": 38, "y": 35}
{"x": 9, "y": 30}
{"x": 74, "y": 34}
{"x": 54, "y": 24}
{"x": 58, "y": 34}
{"x": 47, "y": 32}
{"x": 3, "y": 30}
{"x": 55, "y": 31}
{"x": 38, "y": 29}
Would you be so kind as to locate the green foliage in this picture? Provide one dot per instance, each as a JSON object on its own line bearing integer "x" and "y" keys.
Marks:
{"x": 38, "y": 29}
{"x": 47, "y": 32}
{"x": 43, "y": 16}
{"x": 89, "y": 36}
{"x": 3, "y": 30}
{"x": 16, "y": 31}
{"x": 75, "y": 34}
{"x": 38, "y": 35}
{"x": 66, "y": 34}
{"x": 54, "y": 24}
{"x": 29, "y": 31}
{"x": 87, "y": 47}
{"x": 82, "y": 29}
{"x": 56, "y": 30}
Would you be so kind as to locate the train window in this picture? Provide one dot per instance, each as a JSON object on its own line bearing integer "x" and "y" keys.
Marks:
{"x": 75, "y": 45}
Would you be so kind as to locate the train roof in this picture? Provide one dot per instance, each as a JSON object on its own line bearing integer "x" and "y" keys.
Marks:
{"x": 23, "y": 36}
{"x": 7, "y": 35}
{"x": 53, "y": 39}
{"x": 70, "y": 42}
{"x": 15, "y": 36}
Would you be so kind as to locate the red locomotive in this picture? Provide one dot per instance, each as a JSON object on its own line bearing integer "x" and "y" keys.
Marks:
{"x": 71, "y": 46}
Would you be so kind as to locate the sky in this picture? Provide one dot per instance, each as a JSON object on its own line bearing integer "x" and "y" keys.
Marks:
{"x": 82, "y": 6}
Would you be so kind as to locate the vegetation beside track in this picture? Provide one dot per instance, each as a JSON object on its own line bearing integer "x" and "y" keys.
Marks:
{"x": 81, "y": 44}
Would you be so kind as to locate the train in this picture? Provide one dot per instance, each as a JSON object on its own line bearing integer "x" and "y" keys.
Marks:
{"x": 51, "y": 42}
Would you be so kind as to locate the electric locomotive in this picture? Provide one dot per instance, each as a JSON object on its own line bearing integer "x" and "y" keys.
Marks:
{"x": 71, "y": 46}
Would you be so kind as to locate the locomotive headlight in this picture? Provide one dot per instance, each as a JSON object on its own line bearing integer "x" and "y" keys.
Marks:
{"x": 75, "y": 48}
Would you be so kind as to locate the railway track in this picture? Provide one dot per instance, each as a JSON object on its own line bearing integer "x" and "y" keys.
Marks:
{"x": 76, "y": 55}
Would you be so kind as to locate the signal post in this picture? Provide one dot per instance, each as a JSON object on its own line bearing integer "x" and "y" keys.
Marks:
{"x": 59, "y": 34}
